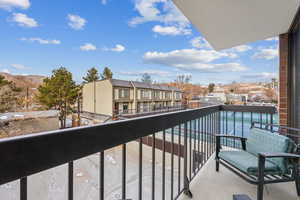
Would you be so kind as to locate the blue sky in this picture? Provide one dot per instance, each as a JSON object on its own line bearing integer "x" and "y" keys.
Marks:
{"x": 131, "y": 37}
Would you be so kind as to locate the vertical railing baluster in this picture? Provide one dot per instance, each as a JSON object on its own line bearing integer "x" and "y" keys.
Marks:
{"x": 140, "y": 167}
{"x": 153, "y": 166}
{"x": 260, "y": 120}
{"x": 202, "y": 143}
{"x": 209, "y": 135}
{"x": 23, "y": 188}
{"x": 226, "y": 115}
{"x": 251, "y": 118}
{"x": 211, "y": 132}
{"x": 194, "y": 150}
{"x": 242, "y": 124}
{"x": 271, "y": 122}
{"x": 185, "y": 168}
{"x": 214, "y": 131}
{"x": 198, "y": 152}
{"x": 179, "y": 159}
{"x": 190, "y": 151}
{"x": 234, "y": 128}
{"x": 163, "y": 164}
{"x": 124, "y": 171}
{"x": 172, "y": 162}
{"x": 206, "y": 136}
{"x": 219, "y": 125}
{"x": 223, "y": 125}
{"x": 101, "y": 176}
{"x": 70, "y": 180}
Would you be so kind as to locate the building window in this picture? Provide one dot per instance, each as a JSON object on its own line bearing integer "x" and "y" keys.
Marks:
{"x": 155, "y": 94}
{"x": 125, "y": 108}
{"x": 145, "y": 94}
{"x": 168, "y": 95}
{"x": 123, "y": 93}
{"x": 177, "y": 95}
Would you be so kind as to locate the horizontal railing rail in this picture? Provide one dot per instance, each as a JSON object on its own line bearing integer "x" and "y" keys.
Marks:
{"x": 193, "y": 130}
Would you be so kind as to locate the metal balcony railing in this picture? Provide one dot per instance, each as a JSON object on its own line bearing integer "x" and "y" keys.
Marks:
{"x": 191, "y": 143}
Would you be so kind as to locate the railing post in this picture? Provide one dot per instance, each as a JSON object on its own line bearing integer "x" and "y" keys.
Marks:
{"x": 23, "y": 188}
{"x": 185, "y": 167}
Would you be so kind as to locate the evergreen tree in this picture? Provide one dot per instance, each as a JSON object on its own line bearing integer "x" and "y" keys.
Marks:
{"x": 146, "y": 78}
{"x": 211, "y": 87}
{"x": 91, "y": 76}
{"x": 106, "y": 74}
{"x": 59, "y": 92}
{"x": 8, "y": 95}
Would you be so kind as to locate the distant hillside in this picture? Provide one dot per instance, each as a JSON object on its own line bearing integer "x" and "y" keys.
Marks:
{"x": 24, "y": 81}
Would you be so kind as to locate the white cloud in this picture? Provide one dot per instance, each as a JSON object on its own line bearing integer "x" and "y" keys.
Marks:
{"x": 88, "y": 47}
{"x": 10, "y": 4}
{"x": 117, "y": 48}
{"x": 171, "y": 30}
{"x": 6, "y": 71}
{"x": 241, "y": 48}
{"x": 23, "y": 20}
{"x": 194, "y": 60}
{"x": 150, "y": 72}
{"x": 42, "y": 41}
{"x": 19, "y": 66}
{"x": 186, "y": 55}
{"x": 200, "y": 43}
{"x": 267, "y": 54}
{"x": 76, "y": 22}
{"x": 272, "y": 39}
{"x": 260, "y": 76}
{"x": 209, "y": 67}
{"x": 103, "y": 2}
{"x": 149, "y": 10}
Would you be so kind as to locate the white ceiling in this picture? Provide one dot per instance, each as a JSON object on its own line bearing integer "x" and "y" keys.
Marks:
{"x": 228, "y": 23}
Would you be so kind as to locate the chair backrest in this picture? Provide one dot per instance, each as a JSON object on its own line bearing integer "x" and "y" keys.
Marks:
{"x": 261, "y": 140}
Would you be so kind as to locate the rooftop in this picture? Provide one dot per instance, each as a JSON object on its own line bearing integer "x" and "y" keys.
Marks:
{"x": 138, "y": 84}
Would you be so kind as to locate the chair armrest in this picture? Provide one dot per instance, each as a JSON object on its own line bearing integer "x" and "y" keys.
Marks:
{"x": 279, "y": 155}
{"x": 218, "y": 141}
{"x": 231, "y": 136}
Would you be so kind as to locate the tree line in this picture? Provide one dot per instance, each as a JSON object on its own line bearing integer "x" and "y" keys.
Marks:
{"x": 61, "y": 92}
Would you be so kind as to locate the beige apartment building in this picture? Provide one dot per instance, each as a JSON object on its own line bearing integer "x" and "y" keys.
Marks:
{"x": 119, "y": 97}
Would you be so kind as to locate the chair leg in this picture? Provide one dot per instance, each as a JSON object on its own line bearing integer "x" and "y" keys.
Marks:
{"x": 261, "y": 169}
{"x": 297, "y": 183}
{"x": 297, "y": 178}
{"x": 217, "y": 165}
{"x": 260, "y": 191}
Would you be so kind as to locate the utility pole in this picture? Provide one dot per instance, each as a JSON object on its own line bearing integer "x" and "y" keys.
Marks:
{"x": 27, "y": 98}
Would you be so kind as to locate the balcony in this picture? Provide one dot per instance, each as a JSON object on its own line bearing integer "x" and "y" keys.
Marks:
{"x": 130, "y": 113}
{"x": 154, "y": 157}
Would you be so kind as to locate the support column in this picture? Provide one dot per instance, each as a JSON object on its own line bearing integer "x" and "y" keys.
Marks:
{"x": 284, "y": 97}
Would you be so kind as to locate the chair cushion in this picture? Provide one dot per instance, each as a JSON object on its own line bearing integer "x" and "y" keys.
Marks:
{"x": 261, "y": 140}
{"x": 248, "y": 162}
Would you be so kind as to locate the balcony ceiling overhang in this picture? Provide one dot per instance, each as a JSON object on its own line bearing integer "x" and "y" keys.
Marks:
{"x": 229, "y": 23}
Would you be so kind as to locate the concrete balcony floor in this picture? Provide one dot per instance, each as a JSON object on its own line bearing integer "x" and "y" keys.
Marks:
{"x": 211, "y": 185}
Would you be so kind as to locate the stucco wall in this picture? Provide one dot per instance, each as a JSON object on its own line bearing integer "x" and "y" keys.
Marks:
{"x": 104, "y": 98}
{"x": 98, "y": 98}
